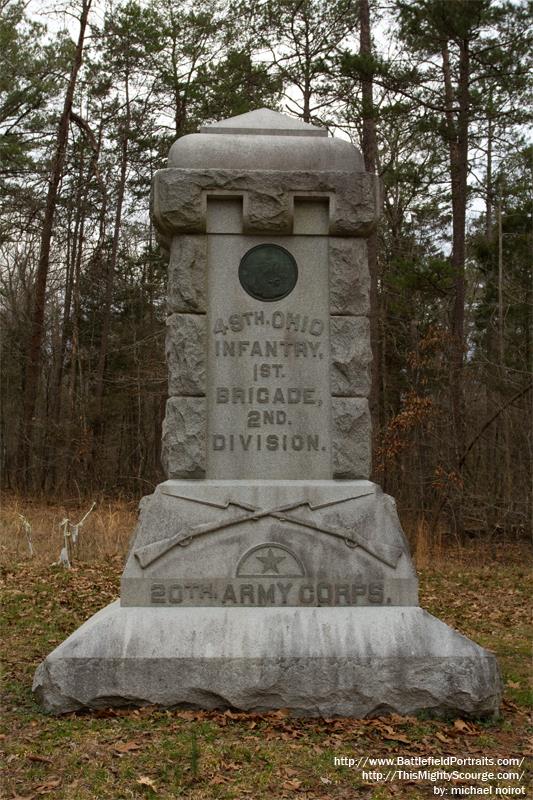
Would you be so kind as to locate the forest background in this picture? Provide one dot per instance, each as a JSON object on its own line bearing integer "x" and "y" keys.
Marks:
{"x": 437, "y": 95}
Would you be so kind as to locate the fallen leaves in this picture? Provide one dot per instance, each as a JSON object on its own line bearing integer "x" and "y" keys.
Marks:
{"x": 126, "y": 747}
{"x": 468, "y": 728}
{"x": 291, "y": 784}
{"x": 48, "y": 786}
{"x": 218, "y": 780}
{"x": 144, "y": 780}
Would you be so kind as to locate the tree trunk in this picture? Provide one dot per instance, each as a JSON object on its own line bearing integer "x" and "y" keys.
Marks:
{"x": 98, "y": 417}
{"x": 489, "y": 196}
{"x": 369, "y": 145}
{"x": 307, "y": 74}
{"x": 74, "y": 243}
{"x": 33, "y": 357}
{"x": 457, "y": 124}
{"x": 507, "y": 478}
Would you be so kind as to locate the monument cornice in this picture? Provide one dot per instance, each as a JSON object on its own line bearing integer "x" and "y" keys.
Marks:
{"x": 179, "y": 199}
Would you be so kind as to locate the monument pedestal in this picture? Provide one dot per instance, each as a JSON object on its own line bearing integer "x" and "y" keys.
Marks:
{"x": 266, "y": 542}
{"x": 315, "y": 661}
{"x": 231, "y": 599}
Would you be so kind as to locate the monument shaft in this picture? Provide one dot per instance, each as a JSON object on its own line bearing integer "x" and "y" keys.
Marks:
{"x": 268, "y": 391}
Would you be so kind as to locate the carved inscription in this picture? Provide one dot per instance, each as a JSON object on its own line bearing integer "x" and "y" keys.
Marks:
{"x": 268, "y": 392}
{"x": 271, "y": 592}
{"x": 277, "y": 320}
{"x": 270, "y": 404}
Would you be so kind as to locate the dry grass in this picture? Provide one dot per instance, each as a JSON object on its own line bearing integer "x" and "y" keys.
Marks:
{"x": 426, "y": 546}
{"x": 105, "y": 533}
{"x": 108, "y": 529}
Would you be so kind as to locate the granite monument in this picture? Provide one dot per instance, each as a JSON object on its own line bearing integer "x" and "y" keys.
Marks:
{"x": 268, "y": 571}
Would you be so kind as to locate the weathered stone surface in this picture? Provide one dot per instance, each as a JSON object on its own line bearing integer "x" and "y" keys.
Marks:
{"x": 260, "y": 122}
{"x": 267, "y": 209}
{"x": 186, "y": 275}
{"x": 264, "y": 140}
{"x": 294, "y": 439}
{"x": 195, "y": 546}
{"x": 179, "y": 199}
{"x": 351, "y": 437}
{"x": 184, "y": 434}
{"x": 186, "y": 354}
{"x": 349, "y": 280}
{"x": 356, "y": 205}
{"x": 350, "y": 356}
{"x": 359, "y": 662}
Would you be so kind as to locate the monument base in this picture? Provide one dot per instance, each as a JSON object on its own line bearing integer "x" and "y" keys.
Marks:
{"x": 355, "y": 662}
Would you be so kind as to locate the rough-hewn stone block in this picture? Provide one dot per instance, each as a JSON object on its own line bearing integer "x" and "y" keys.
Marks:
{"x": 184, "y": 437}
{"x": 355, "y": 205}
{"x": 350, "y": 356}
{"x": 349, "y": 280}
{"x": 267, "y": 208}
{"x": 186, "y": 275}
{"x": 186, "y": 354}
{"x": 351, "y": 437}
{"x": 179, "y": 203}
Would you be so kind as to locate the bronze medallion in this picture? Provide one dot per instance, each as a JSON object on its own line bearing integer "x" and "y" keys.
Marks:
{"x": 268, "y": 272}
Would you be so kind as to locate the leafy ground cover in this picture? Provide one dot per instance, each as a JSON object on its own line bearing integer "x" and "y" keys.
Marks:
{"x": 143, "y": 753}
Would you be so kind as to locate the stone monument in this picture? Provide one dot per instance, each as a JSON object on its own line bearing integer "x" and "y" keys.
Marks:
{"x": 268, "y": 571}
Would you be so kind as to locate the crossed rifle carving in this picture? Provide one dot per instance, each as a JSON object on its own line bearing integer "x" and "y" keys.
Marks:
{"x": 149, "y": 553}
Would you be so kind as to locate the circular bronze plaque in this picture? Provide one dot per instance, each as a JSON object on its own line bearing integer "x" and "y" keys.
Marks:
{"x": 268, "y": 272}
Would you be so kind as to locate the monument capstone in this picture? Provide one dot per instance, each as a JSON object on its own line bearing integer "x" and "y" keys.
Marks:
{"x": 268, "y": 571}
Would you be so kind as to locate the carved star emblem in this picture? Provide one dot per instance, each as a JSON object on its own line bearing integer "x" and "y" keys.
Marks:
{"x": 270, "y": 562}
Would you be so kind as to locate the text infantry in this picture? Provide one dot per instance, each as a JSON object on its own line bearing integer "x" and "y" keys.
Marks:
{"x": 267, "y": 349}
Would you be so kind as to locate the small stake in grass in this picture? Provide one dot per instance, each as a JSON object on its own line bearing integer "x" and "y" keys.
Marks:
{"x": 71, "y": 534}
{"x": 25, "y": 525}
